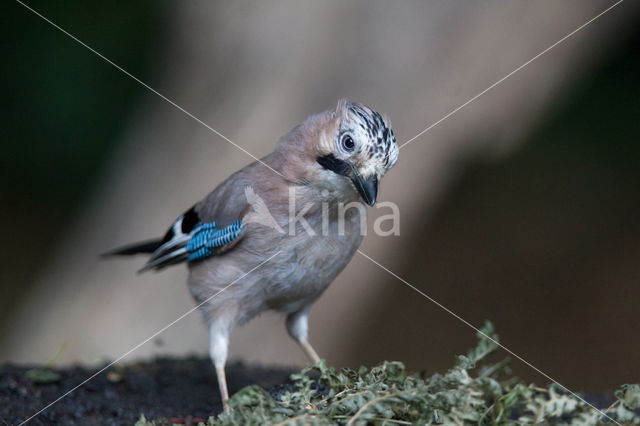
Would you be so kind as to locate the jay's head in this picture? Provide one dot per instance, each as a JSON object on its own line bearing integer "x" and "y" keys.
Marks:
{"x": 355, "y": 146}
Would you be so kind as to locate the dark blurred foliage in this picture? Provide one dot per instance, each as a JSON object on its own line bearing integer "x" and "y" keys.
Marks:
{"x": 594, "y": 132}
{"x": 63, "y": 110}
{"x": 544, "y": 242}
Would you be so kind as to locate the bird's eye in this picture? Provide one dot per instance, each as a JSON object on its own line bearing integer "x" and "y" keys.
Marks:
{"x": 347, "y": 143}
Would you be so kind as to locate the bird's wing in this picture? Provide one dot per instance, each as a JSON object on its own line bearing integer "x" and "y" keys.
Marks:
{"x": 217, "y": 223}
{"x": 190, "y": 239}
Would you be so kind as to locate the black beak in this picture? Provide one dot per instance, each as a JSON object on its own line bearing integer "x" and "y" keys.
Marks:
{"x": 367, "y": 188}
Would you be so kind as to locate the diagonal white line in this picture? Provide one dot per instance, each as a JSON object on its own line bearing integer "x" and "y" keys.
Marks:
{"x": 359, "y": 251}
{"x": 511, "y": 73}
{"x": 146, "y": 340}
{"x": 449, "y": 311}
{"x": 145, "y": 85}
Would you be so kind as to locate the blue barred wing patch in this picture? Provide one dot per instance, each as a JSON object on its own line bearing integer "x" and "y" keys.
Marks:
{"x": 189, "y": 239}
{"x": 206, "y": 237}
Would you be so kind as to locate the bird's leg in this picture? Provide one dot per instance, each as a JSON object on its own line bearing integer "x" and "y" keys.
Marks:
{"x": 222, "y": 385}
{"x": 311, "y": 353}
{"x": 298, "y": 327}
{"x": 218, "y": 351}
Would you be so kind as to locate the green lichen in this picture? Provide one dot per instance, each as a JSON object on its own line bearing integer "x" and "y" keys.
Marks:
{"x": 470, "y": 393}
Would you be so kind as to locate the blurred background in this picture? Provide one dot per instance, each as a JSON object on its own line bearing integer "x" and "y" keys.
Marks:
{"x": 521, "y": 208}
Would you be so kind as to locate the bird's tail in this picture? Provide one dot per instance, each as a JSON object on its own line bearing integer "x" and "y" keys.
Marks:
{"x": 143, "y": 247}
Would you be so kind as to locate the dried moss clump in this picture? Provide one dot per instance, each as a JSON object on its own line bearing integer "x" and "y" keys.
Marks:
{"x": 469, "y": 393}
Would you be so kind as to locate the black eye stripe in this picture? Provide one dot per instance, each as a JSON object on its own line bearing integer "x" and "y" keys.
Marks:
{"x": 334, "y": 164}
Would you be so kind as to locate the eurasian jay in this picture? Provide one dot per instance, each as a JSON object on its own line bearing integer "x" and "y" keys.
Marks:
{"x": 300, "y": 207}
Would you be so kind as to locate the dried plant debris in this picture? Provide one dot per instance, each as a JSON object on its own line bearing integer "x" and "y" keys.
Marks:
{"x": 471, "y": 393}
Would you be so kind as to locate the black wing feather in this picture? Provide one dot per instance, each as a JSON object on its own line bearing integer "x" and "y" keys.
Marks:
{"x": 173, "y": 249}
{"x": 145, "y": 247}
{"x": 188, "y": 221}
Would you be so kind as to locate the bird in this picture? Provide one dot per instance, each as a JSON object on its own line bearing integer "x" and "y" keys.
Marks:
{"x": 301, "y": 207}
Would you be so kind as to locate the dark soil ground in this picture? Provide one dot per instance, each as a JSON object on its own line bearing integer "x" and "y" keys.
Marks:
{"x": 183, "y": 388}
